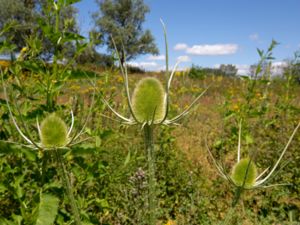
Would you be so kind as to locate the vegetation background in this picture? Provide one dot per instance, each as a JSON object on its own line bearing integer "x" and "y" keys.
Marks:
{"x": 52, "y": 68}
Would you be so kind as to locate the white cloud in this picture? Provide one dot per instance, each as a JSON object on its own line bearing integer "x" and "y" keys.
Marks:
{"x": 279, "y": 64}
{"x": 183, "y": 58}
{"x": 278, "y": 67}
{"x": 180, "y": 46}
{"x": 217, "y": 49}
{"x": 148, "y": 64}
{"x": 135, "y": 64}
{"x": 254, "y": 37}
{"x": 243, "y": 69}
{"x": 156, "y": 57}
{"x": 153, "y": 66}
{"x": 144, "y": 65}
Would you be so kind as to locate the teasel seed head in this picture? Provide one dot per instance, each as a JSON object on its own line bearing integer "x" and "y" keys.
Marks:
{"x": 244, "y": 173}
{"x": 53, "y": 132}
{"x": 148, "y": 100}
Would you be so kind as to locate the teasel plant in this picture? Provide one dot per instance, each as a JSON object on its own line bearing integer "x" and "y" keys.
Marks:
{"x": 149, "y": 108}
{"x": 55, "y": 137}
{"x": 244, "y": 174}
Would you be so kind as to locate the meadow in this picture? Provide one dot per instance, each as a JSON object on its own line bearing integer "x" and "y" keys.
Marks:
{"x": 82, "y": 144}
{"x": 108, "y": 172}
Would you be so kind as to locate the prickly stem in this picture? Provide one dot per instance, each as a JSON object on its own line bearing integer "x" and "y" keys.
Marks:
{"x": 68, "y": 187}
{"x": 148, "y": 137}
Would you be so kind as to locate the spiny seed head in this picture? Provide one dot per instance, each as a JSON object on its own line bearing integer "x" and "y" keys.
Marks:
{"x": 240, "y": 170}
{"x": 54, "y": 132}
{"x": 149, "y": 98}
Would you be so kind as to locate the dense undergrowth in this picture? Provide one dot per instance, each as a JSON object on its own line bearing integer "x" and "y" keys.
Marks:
{"x": 109, "y": 172}
{"x": 99, "y": 172}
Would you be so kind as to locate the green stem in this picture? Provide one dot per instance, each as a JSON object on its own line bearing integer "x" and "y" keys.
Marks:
{"x": 237, "y": 196}
{"x": 229, "y": 216}
{"x": 68, "y": 187}
{"x": 148, "y": 137}
{"x": 45, "y": 158}
{"x": 232, "y": 210}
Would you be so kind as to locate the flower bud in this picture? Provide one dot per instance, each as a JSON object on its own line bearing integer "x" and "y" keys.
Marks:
{"x": 54, "y": 132}
{"x": 148, "y": 100}
{"x": 244, "y": 172}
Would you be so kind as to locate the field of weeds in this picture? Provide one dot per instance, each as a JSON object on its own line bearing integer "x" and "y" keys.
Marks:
{"x": 108, "y": 171}
{"x": 115, "y": 145}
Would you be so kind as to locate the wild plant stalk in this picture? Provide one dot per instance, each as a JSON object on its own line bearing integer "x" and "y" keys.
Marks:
{"x": 54, "y": 136}
{"x": 231, "y": 212}
{"x": 149, "y": 148}
{"x": 244, "y": 174}
{"x": 68, "y": 186}
{"x": 149, "y": 107}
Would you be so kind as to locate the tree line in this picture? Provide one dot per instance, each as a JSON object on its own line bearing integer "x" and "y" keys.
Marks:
{"x": 24, "y": 24}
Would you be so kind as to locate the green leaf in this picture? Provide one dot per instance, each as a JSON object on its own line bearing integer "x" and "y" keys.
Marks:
{"x": 97, "y": 141}
{"x": 33, "y": 66}
{"x": 47, "y": 209}
{"x": 8, "y": 148}
{"x": 4, "y": 221}
{"x": 127, "y": 158}
{"x": 103, "y": 203}
{"x": 249, "y": 139}
{"x": 68, "y": 37}
{"x": 260, "y": 52}
{"x": 2, "y": 188}
{"x": 18, "y": 219}
{"x": 67, "y": 2}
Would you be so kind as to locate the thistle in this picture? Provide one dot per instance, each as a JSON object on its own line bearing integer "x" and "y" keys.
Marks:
{"x": 149, "y": 106}
{"x": 244, "y": 173}
{"x": 149, "y": 103}
{"x": 148, "y": 100}
{"x": 54, "y": 135}
{"x": 53, "y": 132}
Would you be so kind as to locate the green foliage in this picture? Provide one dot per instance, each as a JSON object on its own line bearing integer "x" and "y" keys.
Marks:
{"x": 53, "y": 132}
{"x": 47, "y": 210}
{"x": 200, "y": 73}
{"x": 27, "y": 17}
{"x": 229, "y": 69}
{"x": 122, "y": 20}
{"x": 108, "y": 174}
{"x": 244, "y": 173}
{"x": 292, "y": 70}
{"x": 148, "y": 100}
{"x": 90, "y": 57}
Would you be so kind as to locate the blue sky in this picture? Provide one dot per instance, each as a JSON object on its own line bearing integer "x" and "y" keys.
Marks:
{"x": 212, "y": 32}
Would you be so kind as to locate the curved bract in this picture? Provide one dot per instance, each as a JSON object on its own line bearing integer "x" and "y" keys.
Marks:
{"x": 149, "y": 104}
{"x": 148, "y": 101}
{"x": 54, "y": 132}
{"x": 244, "y": 173}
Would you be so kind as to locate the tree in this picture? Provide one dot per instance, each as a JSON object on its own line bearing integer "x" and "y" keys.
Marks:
{"x": 122, "y": 20}
{"x": 292, "y": 70}
{"x": 229, "y": 70}
{"x": 27, "y": 15}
